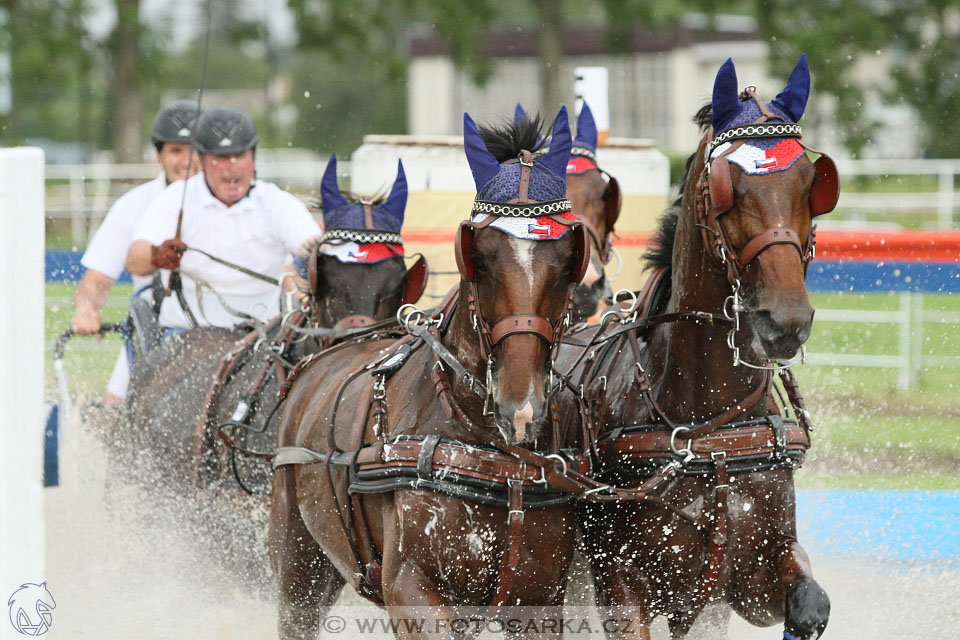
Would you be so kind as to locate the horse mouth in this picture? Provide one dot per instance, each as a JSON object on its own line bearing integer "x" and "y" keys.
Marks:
{"x": 777, "y": 340}
{"x": 519, "y": 426}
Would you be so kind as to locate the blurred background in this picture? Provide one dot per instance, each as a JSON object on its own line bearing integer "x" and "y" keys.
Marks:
{"x": 880, "y": 492}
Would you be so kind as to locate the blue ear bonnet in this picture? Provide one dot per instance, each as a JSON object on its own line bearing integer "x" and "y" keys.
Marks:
{"x": 501, "y": 182}
{"x": 505, "y": 186}
{"x": 729, "y": 112}
{"x": 586, "y": 130}
{"x": 340, "y": 213}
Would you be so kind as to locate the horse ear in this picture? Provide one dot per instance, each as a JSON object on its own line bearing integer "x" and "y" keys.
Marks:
{"x": 483, "y": 164}
{"x": 330, "y": 197}
{"x": 793, "y": 100}
{"x": 726, "y": 98}
{"x": 397, "y": 202}
{"x": 519, "y": 115}
{"x": 586, "y": 128}
{"x": 560, "y": 144}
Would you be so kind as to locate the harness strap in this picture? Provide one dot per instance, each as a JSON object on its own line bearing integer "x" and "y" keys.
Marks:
{"x": 680, "y": 624}
{"x": 522, "y": 323}
{"x": 767, "y": 239}
{"x": 511, "y": 555}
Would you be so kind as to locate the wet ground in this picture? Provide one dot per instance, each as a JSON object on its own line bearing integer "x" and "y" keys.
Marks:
{"x": 117, "y": 575}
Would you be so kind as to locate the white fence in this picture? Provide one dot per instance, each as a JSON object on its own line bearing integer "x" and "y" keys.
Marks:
{"x": 910, "y": 358}
{"x": 862, "y": 206}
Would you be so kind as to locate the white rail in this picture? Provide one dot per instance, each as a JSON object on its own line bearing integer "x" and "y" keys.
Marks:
{"x": 909, "y": 359}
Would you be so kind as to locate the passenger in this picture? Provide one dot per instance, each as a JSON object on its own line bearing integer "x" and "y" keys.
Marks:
{"x": 105, "y": 256}
{"x": 229, "y": 214}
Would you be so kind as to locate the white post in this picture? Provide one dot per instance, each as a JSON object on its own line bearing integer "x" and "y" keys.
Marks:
{"x": 945, "y": 196}
{"x": 904, "y": 348}
{"x": 21, "y": 371}
{"x": 592, "y": 84}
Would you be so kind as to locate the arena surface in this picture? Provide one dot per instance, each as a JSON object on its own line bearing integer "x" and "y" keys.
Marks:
{"x": 119, "y": 575}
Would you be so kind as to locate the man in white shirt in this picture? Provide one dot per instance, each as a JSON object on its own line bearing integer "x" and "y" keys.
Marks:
{"x": 105, "y": 256}
{"x": 229, "y": 214}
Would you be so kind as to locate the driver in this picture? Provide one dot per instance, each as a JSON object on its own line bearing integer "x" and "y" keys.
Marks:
{"x": 229, "y": 214}
{"x": 104, "y": 257}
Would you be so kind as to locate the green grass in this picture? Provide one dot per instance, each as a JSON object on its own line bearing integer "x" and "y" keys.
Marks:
{"x": 927, "y": 481}
{"x": 88, "y": 361}
{"x": 869, "y": 433}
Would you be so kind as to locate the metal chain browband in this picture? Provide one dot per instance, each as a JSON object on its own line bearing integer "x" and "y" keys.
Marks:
{"x": 531, "y": 210}
{"x": 362, "y": 236}
{"x": 583, "y": 152}
{"x": 760, "y": 130}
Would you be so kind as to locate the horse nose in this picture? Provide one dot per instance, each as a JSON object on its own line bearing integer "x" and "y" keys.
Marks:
{"x": 783, "y": 330}
{"x": 519, "y": 423}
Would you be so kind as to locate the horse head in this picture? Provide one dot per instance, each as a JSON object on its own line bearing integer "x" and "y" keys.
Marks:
{"x": 596, "y": 202}
{"x": 519, "y": 255}
{"x": 355, "y": 269}
{"x": 756, "y": 198}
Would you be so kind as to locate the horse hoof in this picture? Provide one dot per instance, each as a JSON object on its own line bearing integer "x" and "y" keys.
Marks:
{"x": 807, "y": 611}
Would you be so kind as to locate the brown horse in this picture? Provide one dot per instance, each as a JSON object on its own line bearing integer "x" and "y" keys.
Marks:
{"x": 169, "y": 388}
{"x": 475, "y": 383}
{"x": 673, "y": 395}
{"x": 596, "y": 202}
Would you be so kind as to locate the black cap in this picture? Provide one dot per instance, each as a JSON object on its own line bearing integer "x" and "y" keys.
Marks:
{"x": 224, "y": 131}
{"x": 174, "y": 122}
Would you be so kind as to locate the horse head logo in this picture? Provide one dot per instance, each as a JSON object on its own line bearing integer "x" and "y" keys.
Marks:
{"x": 30, "y": 609}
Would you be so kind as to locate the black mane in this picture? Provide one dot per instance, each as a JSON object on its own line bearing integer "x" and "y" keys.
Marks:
{"x": 660, "y": 252}
{"x": 507, "y": 140}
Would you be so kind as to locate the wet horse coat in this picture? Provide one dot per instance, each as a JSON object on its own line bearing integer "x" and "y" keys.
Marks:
{"x": 412, "y": 547}
{"x": 712, "y": 535}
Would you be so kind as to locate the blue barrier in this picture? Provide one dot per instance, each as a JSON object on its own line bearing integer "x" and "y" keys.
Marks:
{"x": 917, "y": 277}
{"x": 900, "y": 525}
{"x": 64, "y": 266}
{"x": 912, "y": 277}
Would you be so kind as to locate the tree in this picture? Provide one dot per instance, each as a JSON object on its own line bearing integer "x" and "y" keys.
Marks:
{"x": 127, "y": 92}
{"x": 920, "y": 37}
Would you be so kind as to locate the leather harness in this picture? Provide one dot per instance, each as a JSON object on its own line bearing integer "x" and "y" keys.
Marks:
{"x": 507, "y": 476}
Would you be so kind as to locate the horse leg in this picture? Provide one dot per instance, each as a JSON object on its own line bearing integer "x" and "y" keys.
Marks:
{"x": 306, "y": 579}
{"x": 622, "y": 599}
{"x": 783, "y": 588}
{"x": 806, "y": 605}
{"x": 712, "y": 623}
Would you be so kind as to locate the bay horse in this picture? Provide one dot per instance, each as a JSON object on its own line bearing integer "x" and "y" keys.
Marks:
{"x": 410, "y": 468}
{"x": 356, "y": 277}
{"x": 682, "y": 392}
{"x": 597, "y": 201}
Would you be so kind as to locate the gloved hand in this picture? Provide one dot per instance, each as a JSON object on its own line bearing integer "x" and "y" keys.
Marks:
{"x": 167, "y": 255}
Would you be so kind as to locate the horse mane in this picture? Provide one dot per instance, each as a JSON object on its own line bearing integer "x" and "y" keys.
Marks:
{"x": 660, "y": 252}
{"x": 507, "y": 140}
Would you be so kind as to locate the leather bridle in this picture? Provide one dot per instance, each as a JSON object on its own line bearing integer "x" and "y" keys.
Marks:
{"x": 714, "y": 197}
{"x": 522, "y": 206}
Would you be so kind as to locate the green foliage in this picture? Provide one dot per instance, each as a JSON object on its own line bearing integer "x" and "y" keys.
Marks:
{"x": 336, "y": 109}
{"x": 918, "y": 37}
{"x": 57, "y": 88}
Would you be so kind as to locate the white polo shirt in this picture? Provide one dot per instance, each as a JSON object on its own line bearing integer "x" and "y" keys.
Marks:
{"x": 259, "y": 232}
{"x": 107, "y": 252}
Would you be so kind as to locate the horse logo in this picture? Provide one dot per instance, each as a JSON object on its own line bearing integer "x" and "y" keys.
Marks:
{"x": 30, "y": 607}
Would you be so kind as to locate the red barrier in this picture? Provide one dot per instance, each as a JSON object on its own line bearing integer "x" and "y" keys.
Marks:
{"x": 897, "y": 246}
